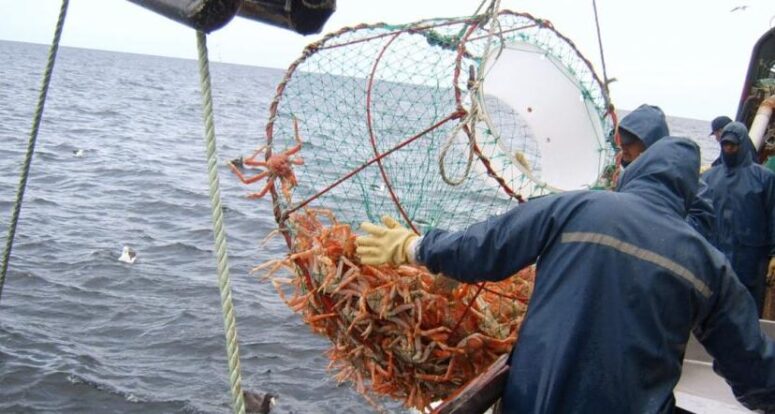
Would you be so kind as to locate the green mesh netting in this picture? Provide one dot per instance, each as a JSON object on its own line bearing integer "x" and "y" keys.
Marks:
{"x": 363, "y": 91}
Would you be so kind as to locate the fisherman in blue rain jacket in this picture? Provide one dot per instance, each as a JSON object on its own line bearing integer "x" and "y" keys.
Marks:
{"x": 638, "y": 131}
{"x": 621, "y": 282}
{"x": 744, "y": 199}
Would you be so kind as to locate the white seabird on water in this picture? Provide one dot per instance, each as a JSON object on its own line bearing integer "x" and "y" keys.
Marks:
{"x": 78, "y": 153}
{"x": 128, "y": 255}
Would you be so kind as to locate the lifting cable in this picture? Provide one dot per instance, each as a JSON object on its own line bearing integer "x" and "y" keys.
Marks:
{"x": 52, "y": 54}
{"x": 606, "y": 81}
{"x": 609, "y": 105}
{"x": 224, "y": 283}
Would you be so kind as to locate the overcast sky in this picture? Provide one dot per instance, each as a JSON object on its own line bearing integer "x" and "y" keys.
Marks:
{"x": 687, "y": 56}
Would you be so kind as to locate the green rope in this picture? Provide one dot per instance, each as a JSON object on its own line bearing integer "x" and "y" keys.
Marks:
{"x": 52, "y": 54}
{"x": 229, "y": 320}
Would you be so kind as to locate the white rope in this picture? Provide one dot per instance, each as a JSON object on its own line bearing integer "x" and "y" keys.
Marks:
{"x": 474, "y": 112}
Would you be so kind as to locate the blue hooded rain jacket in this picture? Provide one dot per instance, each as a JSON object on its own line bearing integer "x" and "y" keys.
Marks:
{"x": 622, "y": 280}
{"x": 648, "y": 123}
{"x": 747, "y": 147}
{"x": 744, "y": 200}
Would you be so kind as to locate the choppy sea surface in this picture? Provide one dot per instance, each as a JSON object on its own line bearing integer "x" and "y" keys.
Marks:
{"x": 120, "y": 160}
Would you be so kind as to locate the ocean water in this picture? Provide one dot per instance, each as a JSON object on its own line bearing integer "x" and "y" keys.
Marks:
{"x": 81, "y": 332}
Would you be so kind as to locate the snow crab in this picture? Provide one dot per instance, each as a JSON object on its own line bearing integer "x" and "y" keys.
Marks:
{"x": 277, "y": 166}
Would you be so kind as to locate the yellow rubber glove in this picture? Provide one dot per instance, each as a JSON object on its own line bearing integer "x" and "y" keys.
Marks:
{"x": 385, "y": 244}
{"x": 771, "y": 272}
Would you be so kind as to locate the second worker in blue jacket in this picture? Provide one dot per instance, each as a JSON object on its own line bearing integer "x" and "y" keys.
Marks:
{"x": 744, "y": 200}
{"x": 642, "y": 128}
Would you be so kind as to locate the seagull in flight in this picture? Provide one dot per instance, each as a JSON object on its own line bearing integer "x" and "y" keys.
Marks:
{"x": 741, "y": 8}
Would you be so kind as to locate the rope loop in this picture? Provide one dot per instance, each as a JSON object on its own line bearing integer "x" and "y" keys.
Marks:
{"x": 474, "y": 84}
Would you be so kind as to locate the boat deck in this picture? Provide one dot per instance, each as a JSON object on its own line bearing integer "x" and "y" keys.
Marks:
{"x": 700, "y": 389}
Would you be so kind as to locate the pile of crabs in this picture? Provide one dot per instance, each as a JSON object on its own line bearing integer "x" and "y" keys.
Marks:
{"x": 399, "y": 332}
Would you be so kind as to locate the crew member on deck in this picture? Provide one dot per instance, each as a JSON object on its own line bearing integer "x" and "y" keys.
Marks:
{"x": 639, "y": 130}
{"x": 744, "y": 200}
{"x": 621, "y": 282}
{"x": 717, "y": 124}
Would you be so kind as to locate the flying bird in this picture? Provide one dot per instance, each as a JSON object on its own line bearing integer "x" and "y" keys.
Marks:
{"x": 741, "y": 8}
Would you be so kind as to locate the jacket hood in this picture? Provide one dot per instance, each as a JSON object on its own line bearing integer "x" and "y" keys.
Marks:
{"x": 738, "y": 134}
{"x": 647, "y": 122}
{"x": 667, "y": 174}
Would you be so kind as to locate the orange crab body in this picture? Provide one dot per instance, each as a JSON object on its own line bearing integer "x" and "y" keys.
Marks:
{"x": 278, "y": 166}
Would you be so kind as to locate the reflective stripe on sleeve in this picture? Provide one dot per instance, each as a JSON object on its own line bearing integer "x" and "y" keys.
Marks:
{"x": 643, "y": 254}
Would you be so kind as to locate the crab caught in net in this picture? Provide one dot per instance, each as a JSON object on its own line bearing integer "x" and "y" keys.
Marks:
{"x": 278, "y": 166}
{"x": 399, "y": 332}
